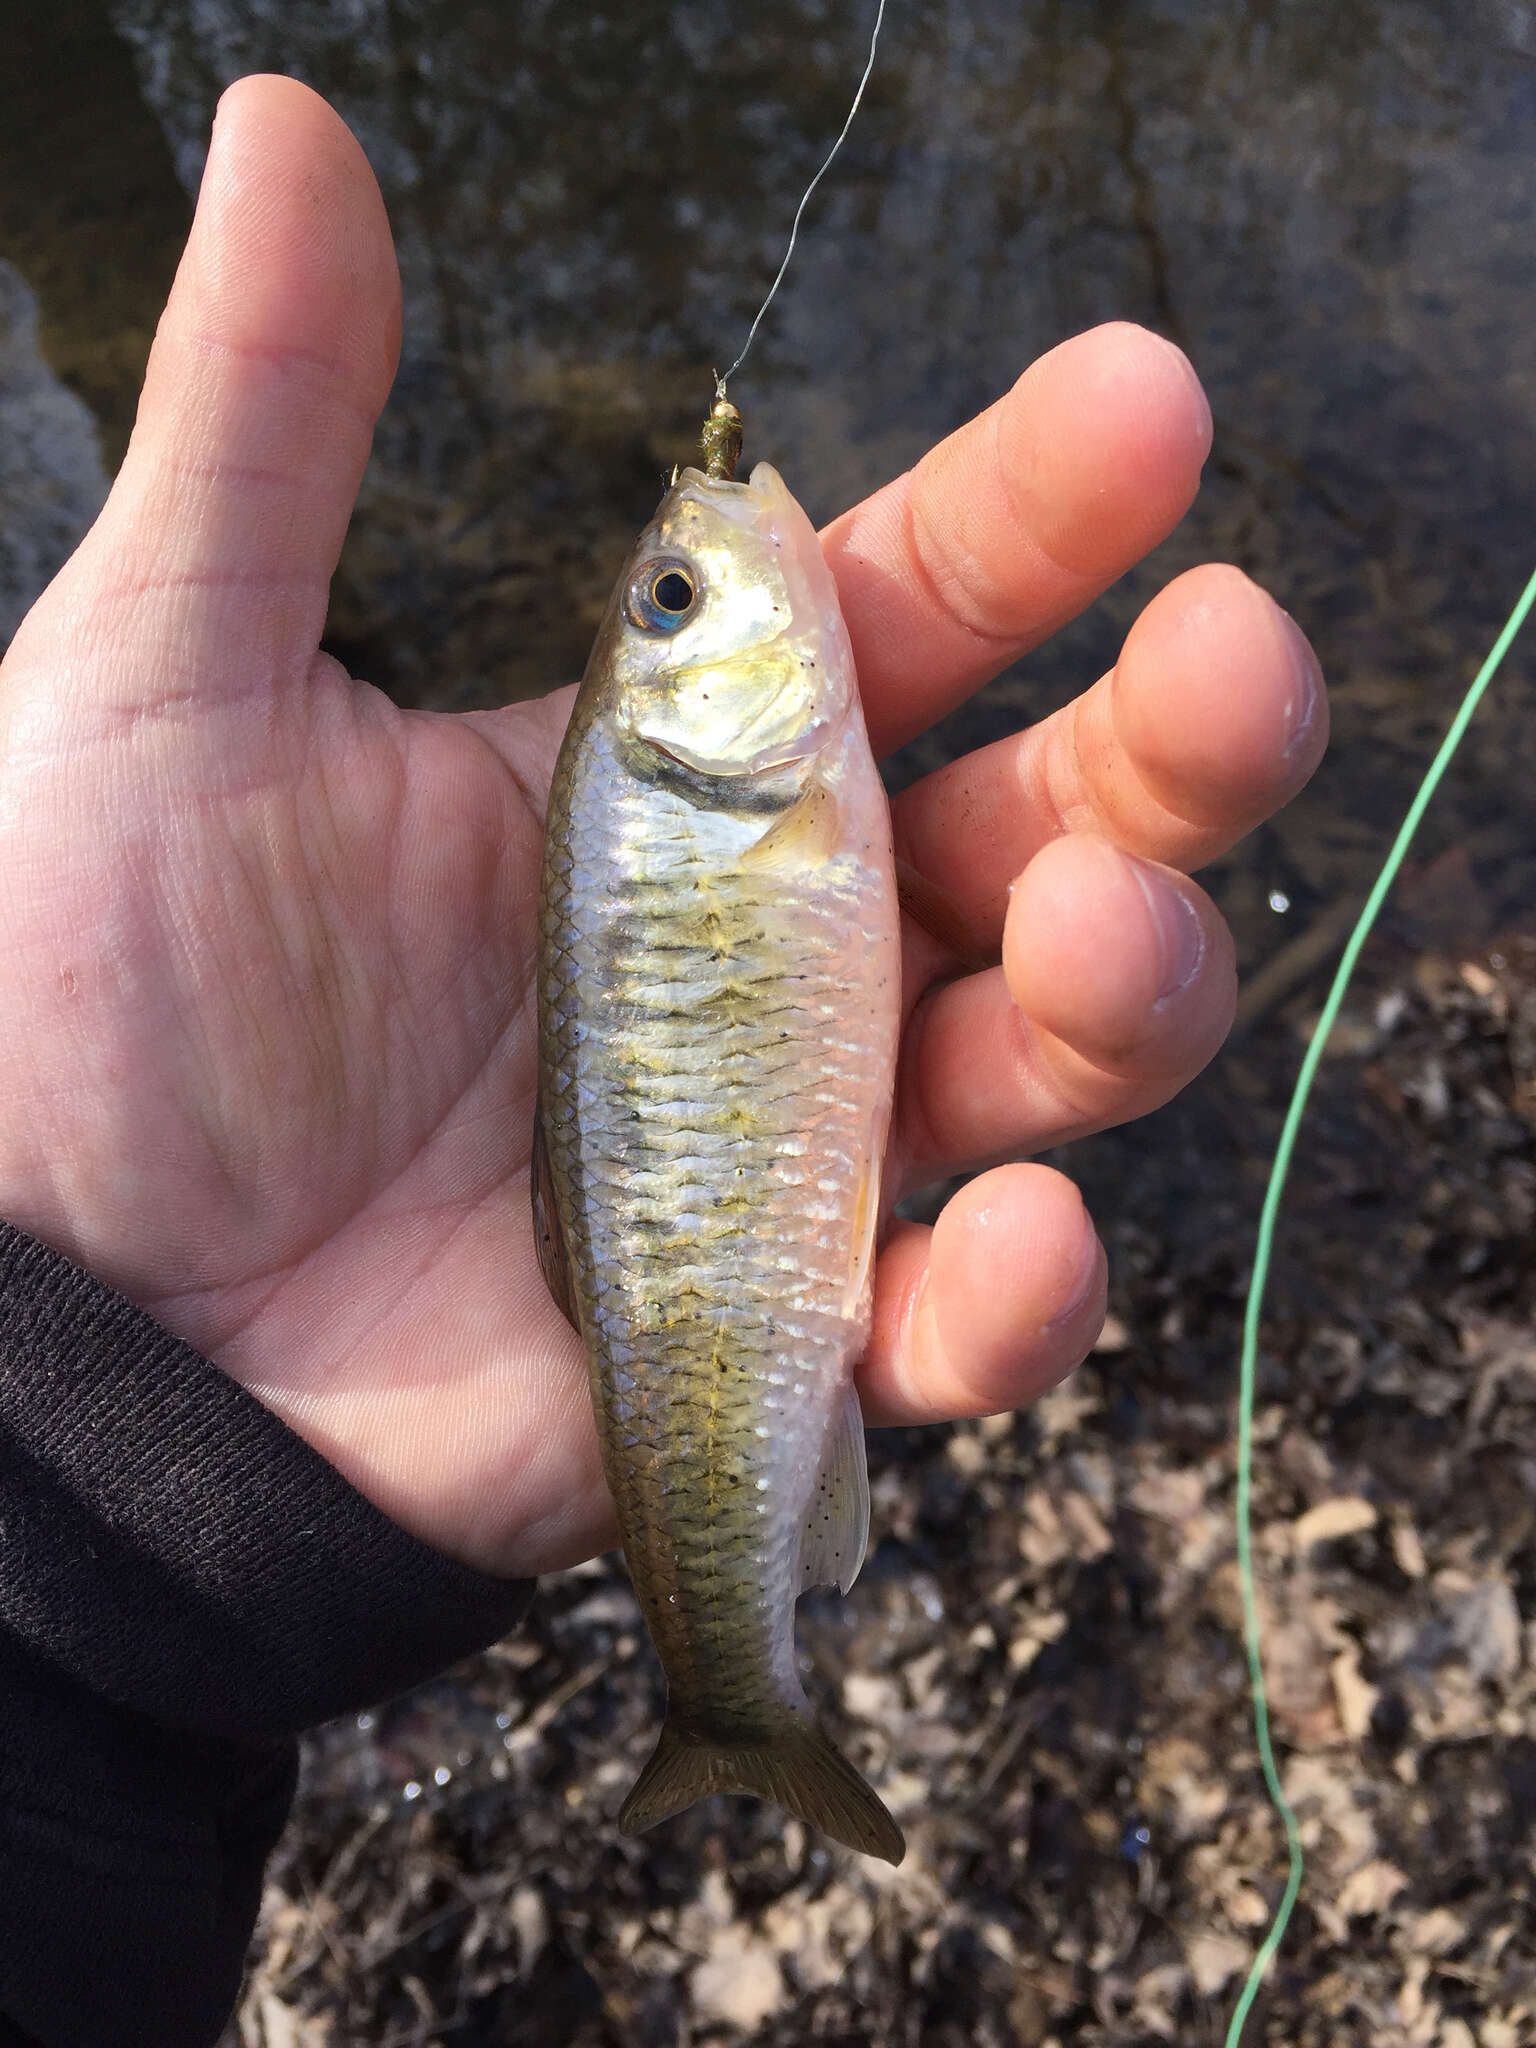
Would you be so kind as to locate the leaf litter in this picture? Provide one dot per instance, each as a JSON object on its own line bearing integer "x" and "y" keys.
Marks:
{"x": 1041, "y": 1667}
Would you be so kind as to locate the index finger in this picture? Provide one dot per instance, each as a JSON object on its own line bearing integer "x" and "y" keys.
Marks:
{"x": 1013, "y": 524}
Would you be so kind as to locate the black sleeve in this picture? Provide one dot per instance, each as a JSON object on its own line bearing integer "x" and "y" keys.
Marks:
{"x": 184, "y": 1584}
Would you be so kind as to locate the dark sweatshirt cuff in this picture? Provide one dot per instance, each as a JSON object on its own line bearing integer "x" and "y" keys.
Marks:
{"x": 184, "y": 1584}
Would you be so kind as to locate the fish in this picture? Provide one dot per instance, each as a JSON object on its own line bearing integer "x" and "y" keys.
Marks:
{"x": 719, "y": 1008}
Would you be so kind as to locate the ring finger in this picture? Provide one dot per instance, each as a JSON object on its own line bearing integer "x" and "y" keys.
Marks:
{"x": 1117, "y": 986}
{"x": 1213, "y": 717}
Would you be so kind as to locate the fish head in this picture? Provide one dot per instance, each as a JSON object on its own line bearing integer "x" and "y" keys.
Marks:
{"x": 723, "y": 653}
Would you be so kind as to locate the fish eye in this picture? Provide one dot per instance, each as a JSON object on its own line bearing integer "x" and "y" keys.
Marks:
{"x": 662, "y": 595}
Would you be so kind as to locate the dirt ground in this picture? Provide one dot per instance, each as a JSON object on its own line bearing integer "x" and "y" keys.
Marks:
{"x": 1041, "y": 1666}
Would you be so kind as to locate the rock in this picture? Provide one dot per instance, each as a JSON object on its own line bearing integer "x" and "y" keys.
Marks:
{"x": 52, "y": 483}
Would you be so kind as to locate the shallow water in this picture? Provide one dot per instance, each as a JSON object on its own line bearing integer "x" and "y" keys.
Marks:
{"x": 1328, "y": 207}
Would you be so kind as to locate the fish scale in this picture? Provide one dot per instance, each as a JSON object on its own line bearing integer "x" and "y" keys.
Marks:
{"x": 647, "y": 1138}
{"x": 718, "y": 1012}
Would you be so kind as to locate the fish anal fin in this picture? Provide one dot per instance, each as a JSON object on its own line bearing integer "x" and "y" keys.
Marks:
{"x": 836, "y": 1530}
{"x": 801, "y": 837}
{"x": 554, "y": 1260}
{"x": 796, "y": 1765}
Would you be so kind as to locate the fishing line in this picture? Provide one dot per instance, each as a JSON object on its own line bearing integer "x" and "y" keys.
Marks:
{"x": 794, "y": 229}
{"x": 1256, "y": 1286}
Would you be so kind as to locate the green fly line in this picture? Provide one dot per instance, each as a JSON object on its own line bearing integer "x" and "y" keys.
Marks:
{"x": 1255, "y": 1304}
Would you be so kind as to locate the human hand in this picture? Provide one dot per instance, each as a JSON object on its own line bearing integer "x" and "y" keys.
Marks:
{"x": 268, "y": 940}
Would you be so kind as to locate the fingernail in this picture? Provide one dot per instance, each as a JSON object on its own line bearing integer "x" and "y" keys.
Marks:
{"x": 919, "y": 1340}
{"x": 1181, "y": 935}
{"x": 1306, "y": 689}
{"x": 1200, "y": 407}
{"x": 1089, "y": 1283}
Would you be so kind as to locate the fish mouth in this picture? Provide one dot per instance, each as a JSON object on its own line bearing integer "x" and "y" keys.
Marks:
{"x": 764, "y": 507}
{"x": 742, "y": 503}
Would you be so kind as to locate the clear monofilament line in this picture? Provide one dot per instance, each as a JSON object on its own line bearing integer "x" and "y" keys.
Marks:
{"x": 805, "y": 198}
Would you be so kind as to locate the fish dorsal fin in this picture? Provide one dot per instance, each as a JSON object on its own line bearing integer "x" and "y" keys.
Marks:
{"x": 836, "y": 1529}
{"x": 554, "y": 1260}
{"x": 801, "y": 837}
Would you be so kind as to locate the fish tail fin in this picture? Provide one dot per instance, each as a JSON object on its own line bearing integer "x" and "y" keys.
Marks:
{"x": 798, "y": 1767}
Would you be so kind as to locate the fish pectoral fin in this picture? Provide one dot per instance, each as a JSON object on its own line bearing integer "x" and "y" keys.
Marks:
{"x": 836, "y": 1531}
{"x": 801, "y": 837}
{"x": 554, "y": 1260}
{"x": 939, "y": 913}
{"x": 797, "y": 1766}
{"x": 866, "y": 1215}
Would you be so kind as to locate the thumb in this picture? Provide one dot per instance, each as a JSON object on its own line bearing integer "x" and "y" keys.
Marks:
{"x": 208, "y": 571}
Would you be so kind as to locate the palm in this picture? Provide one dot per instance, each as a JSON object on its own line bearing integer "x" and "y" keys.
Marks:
{"x": 315, "y": 964}
{"x": 270, "y": 940}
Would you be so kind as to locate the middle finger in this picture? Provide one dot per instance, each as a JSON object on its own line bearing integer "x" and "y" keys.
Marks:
{"x": 1213, "y": 717}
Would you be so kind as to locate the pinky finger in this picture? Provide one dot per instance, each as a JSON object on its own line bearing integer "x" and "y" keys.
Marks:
{"x": 989, "y": 1308}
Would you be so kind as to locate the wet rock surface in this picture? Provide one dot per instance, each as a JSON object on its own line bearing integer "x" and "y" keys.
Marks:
{"x": 52, "y": 483}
